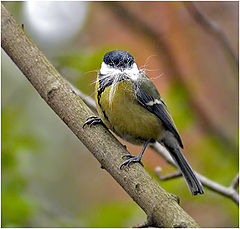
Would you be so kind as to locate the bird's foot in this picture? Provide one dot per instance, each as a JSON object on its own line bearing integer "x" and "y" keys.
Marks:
{"x": 131, "y": 159}
{"x": 92, "y": 120}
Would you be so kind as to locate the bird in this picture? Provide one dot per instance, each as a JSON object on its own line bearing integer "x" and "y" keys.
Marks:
{"x": 129, "y": 104}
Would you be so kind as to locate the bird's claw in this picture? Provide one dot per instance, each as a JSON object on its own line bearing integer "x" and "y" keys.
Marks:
{"x": 127, "y": 156}
{"x": 131, "y": 159}
{"x": 92, "y": 120}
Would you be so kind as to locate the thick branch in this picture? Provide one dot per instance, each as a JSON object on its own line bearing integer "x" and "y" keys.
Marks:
{"x": 161, "y": 208}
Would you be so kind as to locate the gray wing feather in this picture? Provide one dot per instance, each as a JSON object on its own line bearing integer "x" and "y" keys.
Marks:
{"x": 146, "y": 92}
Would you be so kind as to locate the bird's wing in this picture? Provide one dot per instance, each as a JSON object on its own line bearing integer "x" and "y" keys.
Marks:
{"x": 148, "y": 96}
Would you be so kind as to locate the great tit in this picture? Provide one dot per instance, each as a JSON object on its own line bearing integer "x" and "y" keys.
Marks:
{"x": 129, "y": 104}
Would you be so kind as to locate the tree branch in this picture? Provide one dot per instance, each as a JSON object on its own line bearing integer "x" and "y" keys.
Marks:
{"x": 86, "y": 99}
{"x": 229, "y": 192}
{"x": 169, "y": 176}
{"x": 161, "y": 208}
{"x": 235, "y": 183}
{"x": 213, "y": 29}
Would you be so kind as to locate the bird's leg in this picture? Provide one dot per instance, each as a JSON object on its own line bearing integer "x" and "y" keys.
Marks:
{"x": 92, "y": 120}
{"x": 134, "y": 159}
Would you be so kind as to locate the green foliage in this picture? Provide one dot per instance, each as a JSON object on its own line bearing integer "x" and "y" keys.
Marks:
{"x": 216, "y": 156}
{"x": 84, "y": 68}
{"x": 114, "y": 214}
{"x": 177, "y": 101}
{"x": 16, "y": 209}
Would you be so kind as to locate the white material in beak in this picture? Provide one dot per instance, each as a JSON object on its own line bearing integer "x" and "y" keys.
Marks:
{"x": 131, "y": 72}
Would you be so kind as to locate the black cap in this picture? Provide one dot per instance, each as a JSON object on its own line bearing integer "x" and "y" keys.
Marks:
{"x": 118, "y": 59}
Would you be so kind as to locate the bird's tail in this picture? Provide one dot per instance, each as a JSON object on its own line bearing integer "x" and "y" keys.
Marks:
{"x": 194, "y": 184}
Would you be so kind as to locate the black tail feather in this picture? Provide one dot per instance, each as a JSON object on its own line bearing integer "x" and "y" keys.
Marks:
{"x": 194, "y": 184}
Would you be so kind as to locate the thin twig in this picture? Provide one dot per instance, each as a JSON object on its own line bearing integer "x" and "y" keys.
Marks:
{"x": 169, "y": 176}
{"x": 212, "y": 28}
{"x": 229, "y": 192}
{"x": 86, "y": 99}
{"x": 235, "y": 182}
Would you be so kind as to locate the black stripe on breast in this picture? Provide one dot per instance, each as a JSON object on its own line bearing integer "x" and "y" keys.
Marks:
{"x": 108, "y": 81}
{"x": 103, "y": 84}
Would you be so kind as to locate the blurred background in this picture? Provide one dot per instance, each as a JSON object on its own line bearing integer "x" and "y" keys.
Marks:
{"x": 49, "y": 178}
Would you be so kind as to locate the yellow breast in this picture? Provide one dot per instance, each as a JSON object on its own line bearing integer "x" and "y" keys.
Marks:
{"x": 122, "y": 113}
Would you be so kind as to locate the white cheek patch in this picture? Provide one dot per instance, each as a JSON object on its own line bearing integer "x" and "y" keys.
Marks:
{"x": 156, "y": 101}
{"x": 133, "y": 72}
{"x": 106, "y": 70}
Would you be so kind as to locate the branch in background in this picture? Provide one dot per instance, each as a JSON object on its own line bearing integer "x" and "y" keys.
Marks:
{"x": 162, "y": 47}
{"x": 161, "y": 208}
{"x": 169, "y": 176}
{"x": 86, "y": 99}
{"x": 213, "y": 29}
{"x": 229, "y": 192}
{"x": 235, "y": 183}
